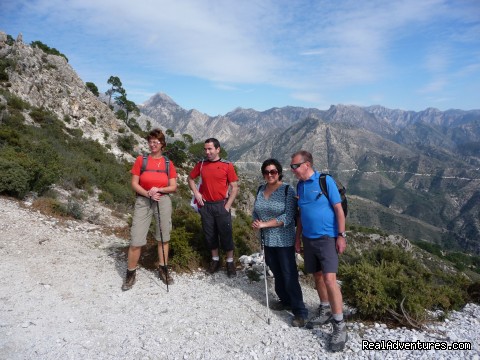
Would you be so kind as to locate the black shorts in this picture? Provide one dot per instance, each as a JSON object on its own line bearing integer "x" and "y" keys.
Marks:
{"x": 217, "y": 225}
{"x": 320, "y": 255}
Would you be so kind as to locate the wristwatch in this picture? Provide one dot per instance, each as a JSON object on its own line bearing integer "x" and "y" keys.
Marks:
{"x": 343, "y": 234}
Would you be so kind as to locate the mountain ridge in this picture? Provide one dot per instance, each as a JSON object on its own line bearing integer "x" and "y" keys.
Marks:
{"x": 422, "y": 164}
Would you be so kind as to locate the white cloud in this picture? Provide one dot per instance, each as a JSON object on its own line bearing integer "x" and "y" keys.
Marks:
{"x": 435, "y": 85}
{"x": 307, "y": 47}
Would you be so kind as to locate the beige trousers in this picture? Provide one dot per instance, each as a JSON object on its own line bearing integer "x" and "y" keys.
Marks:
{"x": 142, "y": 218}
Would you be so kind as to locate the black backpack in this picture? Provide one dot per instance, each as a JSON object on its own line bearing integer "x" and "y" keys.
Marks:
{"x": 341, "y": 189}
{"x": 144, "y": 166}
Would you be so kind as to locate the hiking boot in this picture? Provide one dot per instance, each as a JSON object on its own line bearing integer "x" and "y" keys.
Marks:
{"x": 231, "y": 271}
{"x": 214, "y": 266}
{"x": 129, "y": 280}
{"x": 164, "y": 275}
{"x": 279, "y": 306}
{"x": 298, "y": 321}
{"x": 323, "y": 317}
{"x": 339, "y": 336}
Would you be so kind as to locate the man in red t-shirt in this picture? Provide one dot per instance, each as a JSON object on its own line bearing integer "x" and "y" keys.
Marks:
{"x": 214, "y": 202}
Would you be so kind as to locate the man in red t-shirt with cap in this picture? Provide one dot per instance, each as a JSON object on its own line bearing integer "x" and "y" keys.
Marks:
{"x": 214, "y": 202}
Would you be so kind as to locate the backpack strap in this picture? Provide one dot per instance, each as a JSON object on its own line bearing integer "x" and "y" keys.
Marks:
{"x": 167, "y": 165}
{"x": 323, "y": 185}
{"x": 145, "y": 161}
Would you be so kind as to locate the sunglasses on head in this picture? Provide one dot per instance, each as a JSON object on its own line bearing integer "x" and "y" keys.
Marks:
{"x": 296, "y": 166}
{"x": 270, "y": 172}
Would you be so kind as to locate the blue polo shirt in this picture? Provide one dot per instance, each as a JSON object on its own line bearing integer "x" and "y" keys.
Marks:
{"x": 317, "y": 215}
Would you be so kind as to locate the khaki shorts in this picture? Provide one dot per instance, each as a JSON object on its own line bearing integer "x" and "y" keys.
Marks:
{"x": 142, "y": 218}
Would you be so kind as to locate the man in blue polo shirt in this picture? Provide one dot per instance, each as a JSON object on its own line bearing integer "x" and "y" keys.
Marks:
{"x": 321, "y": 227}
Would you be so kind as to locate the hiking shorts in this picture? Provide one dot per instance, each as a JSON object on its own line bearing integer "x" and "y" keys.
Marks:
{"x": 217, "y": 225}
{"x": 320, "y": 255}
{"x": 145, "y": 208}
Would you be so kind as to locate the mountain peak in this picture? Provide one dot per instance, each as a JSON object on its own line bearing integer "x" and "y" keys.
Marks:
{"x": 160, "y": 98}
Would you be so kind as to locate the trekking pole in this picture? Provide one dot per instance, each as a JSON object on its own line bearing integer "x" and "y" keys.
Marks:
{"x": 265, "y": 275}
{"x": 161, "y": 240}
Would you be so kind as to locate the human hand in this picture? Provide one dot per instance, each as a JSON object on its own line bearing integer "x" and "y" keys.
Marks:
{"x": 153, "y": 191}
{"x": 257, "y": 224}
{"x": 156, "y": 196}
{"x": 199, "y": 199}
{"x": 341, "y": 244}
{"x": 298, "y": 246}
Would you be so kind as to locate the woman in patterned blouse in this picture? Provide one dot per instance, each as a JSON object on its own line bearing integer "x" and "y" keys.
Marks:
{"x": 274, "y": 215}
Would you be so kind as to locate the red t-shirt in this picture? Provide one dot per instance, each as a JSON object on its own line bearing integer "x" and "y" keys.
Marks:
{"x": 216, "y": 176}
{"x": 149, "y": 179}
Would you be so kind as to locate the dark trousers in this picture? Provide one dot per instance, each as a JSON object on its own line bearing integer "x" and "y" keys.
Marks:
{"x": 217, "y": 225}
{"x": 281, "y": 260}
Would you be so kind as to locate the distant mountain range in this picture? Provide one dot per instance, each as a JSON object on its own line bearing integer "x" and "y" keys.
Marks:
{"x": 410, "y": 173}
{"x": 414, "y": 173}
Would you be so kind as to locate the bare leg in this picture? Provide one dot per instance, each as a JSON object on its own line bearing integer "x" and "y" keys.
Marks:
{"x": 334, "y": 293}
{"x": 321, "y": 287}
{"x": 133, "y": 256}
{"x": 160, "y": 253}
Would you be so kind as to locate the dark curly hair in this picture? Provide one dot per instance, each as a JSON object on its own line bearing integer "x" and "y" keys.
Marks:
{"x": 275, "y": 163}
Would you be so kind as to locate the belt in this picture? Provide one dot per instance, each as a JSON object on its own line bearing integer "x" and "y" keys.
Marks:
{"x": 214, "y": 202}
{"x": 148, "y": 197}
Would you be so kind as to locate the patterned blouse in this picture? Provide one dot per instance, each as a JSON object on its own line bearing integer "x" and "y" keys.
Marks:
{"x": 282, "y": 208}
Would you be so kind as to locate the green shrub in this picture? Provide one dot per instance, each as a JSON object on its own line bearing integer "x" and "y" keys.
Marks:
{"x": 122, "y": 115}
{"x": 176, "y": 152}
{"x": 245, "y": 238}
{"x": 93, "y": 120}
{"x": 384, "y": 285}
{"x": 10, "y": 136}
{"x": 50, "y": 206}
{"x": 126, "y": 143}
{"x": 183, "y": 255}
{"x": 106, "y": 198}
{"x": 17, "y": 103}
{"x": 4, "y": 64}
{"x": 93, "y": 88}
{"x": 15, "y": 179}
{"x": 121, "y": 193}
{"x": 45, "y": 118}
{"x": 46, "y": 49}
{"x": 78, "y": 133}
{"x": 74, "y": 209}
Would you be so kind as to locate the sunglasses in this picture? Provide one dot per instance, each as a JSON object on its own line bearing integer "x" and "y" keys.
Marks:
{"x": 270, "y": 172}
{"x": 296, "y": 166}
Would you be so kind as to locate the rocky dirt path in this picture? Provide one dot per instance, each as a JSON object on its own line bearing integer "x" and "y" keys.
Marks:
{"x": 60, "y": 298}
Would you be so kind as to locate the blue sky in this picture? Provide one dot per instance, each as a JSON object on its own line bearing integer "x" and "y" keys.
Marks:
{"x": 217, "y": 55}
